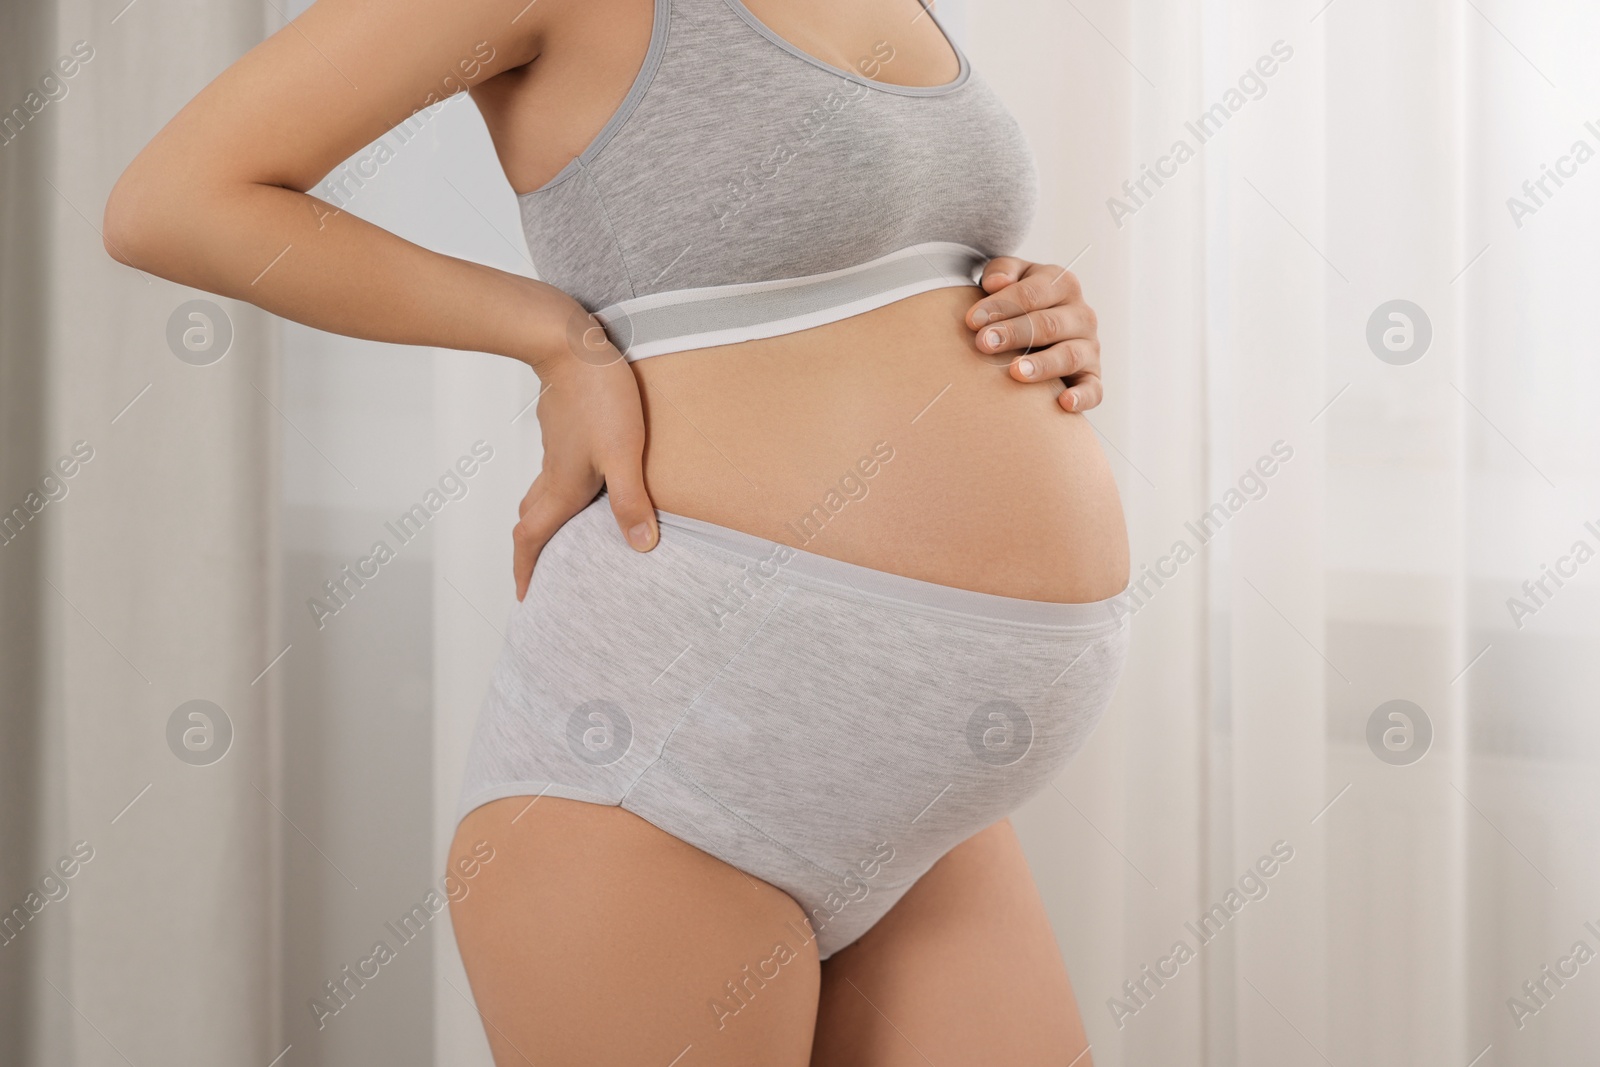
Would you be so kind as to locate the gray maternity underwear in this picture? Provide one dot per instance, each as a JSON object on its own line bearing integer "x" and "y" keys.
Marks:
{"x": 828, "y": 728}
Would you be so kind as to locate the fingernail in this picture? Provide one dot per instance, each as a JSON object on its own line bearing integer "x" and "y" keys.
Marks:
{"x": 640, "y": 536}
{"x": 994, "y": 338}
{"x": 1026, "y": 367}
{"x": 981, "y": 317}
{"x": 1072, "y": 400}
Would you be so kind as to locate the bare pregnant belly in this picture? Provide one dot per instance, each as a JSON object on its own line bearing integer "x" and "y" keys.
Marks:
{"x": 887, "y": 440}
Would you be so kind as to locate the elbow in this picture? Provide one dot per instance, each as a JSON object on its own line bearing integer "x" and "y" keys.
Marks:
{"x": 127, "y": 227}
{"x": 147, "y": 217}
{"x": 162, "y": 218}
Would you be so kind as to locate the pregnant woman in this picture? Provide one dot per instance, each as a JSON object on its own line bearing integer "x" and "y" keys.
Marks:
{"x": 823, "y": 573}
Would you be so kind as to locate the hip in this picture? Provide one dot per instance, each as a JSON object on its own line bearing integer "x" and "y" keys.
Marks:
{"x": 766, "y": 675}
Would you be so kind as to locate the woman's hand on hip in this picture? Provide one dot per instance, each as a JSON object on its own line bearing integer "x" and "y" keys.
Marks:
{"x": 1040, "y": 306}
{"x": 591, "y": 421}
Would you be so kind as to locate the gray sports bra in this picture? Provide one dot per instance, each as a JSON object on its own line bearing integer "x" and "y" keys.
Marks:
{"x": 745, "y": 189}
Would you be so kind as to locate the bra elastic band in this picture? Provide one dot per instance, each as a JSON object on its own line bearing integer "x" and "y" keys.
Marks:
{"x": 685, "y": 319}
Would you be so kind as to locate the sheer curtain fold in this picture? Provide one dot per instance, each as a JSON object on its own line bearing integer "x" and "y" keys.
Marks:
{"x": 1340, "y": 157}
{"x": 141, "y": 580}
{"x": 1330, "y": 509}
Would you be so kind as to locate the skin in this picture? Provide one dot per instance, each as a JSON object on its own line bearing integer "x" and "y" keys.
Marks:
{"x": 595, "y": 938}
{"x": 991, "y": 486}
{"x": 591, "y": 935}
{"x": 1020, "y": 306}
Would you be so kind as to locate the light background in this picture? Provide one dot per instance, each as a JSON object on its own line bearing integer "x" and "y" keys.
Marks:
{"x": 1234, "y": 309}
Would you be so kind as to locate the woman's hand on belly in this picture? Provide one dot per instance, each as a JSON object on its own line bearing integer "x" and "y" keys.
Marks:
{"x": 1040, "y": 306}
{"x": 591, "y": 422}
{"x": 982, "y": 482}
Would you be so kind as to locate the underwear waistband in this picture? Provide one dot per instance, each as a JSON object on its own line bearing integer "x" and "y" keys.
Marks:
{"x": 808, "y": 568}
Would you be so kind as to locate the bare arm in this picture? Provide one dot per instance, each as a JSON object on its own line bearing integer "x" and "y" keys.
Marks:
{"x": 217, "y": 199}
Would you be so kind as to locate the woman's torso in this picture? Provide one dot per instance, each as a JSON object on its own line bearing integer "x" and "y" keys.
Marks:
{"x": 883, "y": 438}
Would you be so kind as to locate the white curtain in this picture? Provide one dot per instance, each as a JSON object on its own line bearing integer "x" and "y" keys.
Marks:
{"x": 1363, "y": 519}
{"x": 1372, "y": 165}
{"x": 138, "y": 835}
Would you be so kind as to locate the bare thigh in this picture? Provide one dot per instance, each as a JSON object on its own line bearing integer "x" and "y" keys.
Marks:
{"x": 592, "y": 937}
{"x": 962, "y": 971}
